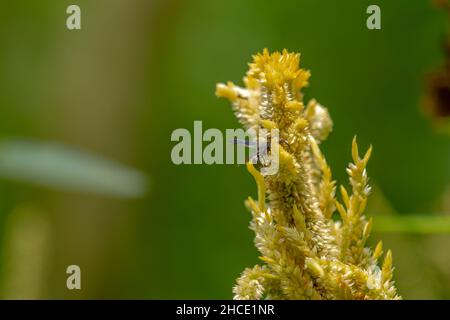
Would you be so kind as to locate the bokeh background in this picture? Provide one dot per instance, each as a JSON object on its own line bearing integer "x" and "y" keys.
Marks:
{"x": 86, "y": 116}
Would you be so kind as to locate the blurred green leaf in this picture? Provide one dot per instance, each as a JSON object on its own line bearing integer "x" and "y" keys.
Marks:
{"x": 58, "y": 166}
{"x": 414, "y": 224}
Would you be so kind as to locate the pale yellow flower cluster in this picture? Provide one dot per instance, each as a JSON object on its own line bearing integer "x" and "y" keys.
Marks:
{"x": 306, "y": 253}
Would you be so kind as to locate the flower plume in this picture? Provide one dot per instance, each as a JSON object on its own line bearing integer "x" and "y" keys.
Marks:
{"x": 306, "y": 254}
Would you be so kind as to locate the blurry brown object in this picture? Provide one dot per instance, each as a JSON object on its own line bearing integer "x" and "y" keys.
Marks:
{"x": 445, "y": 4}
{"x": 437, "y": 99}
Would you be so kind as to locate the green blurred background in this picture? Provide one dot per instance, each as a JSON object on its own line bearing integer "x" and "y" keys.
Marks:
{"x": 140, "y": 69}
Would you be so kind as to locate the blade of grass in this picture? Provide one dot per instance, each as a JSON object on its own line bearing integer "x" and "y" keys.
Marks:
{"x": 413, "y": 224}
{"x": 65, "y": 168}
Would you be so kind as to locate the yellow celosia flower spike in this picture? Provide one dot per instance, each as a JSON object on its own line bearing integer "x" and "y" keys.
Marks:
{"x": 306, "y": 254}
